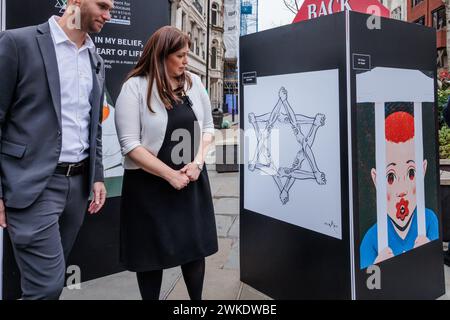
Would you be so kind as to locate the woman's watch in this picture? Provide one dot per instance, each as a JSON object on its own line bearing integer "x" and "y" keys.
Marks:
{"x": 199, "y": 165}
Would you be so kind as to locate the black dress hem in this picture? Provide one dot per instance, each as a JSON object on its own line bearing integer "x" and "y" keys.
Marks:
{"x": 135, "y": 268}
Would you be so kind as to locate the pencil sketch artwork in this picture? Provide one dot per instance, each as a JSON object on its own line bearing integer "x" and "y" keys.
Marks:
{"x": 304, "y": 166}
{"x": 292, "y": 168}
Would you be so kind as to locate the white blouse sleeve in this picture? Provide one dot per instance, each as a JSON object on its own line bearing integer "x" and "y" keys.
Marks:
{"x": 127, "y": 116}
{"x": 208, "y": 125}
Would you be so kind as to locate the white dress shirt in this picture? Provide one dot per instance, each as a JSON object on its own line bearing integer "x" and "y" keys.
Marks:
{"x": 75, "y": 77}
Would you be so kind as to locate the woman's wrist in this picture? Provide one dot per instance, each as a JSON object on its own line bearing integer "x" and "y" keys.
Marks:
{"x": 167, "y": 174}
{"x": 199, "y": 164}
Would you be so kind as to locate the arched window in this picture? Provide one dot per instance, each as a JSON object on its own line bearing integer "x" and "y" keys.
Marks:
{"x": 214, "y": 14}
{"x": 183, "y": 21}
{"x": 213, "y": 58}
{"x": 192, "y": 42}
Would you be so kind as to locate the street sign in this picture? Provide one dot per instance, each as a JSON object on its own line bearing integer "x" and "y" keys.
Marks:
{"x": 246, "y": 8}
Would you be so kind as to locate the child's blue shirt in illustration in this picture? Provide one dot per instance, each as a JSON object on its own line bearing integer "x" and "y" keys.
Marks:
{"x": 369, "y": 244}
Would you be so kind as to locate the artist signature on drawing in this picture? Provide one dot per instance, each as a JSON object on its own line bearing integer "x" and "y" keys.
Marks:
{"x": 331, "y": 225}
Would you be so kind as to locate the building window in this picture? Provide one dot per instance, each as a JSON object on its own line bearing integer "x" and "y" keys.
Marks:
{"x": 439, "y": 20}
{"x": 421, "y": 21}
{"x": 213, "y": 58}
{"x": 415, "y": 2}
{"x": 197, "y": 49}
{"x": 397, "y": 13}
{"x": 198, "y": 6}
{"x": 442, "y": 58}
{"x": 214, "y": 14}
{"x": 183, "y": 21}
{"x": 192, "y": 42}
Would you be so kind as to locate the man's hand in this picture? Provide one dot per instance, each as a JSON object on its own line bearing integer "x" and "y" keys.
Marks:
{"x": 99, "y": 199}
{"x": 192, "y": 171}
{"x": 2, "y": 214}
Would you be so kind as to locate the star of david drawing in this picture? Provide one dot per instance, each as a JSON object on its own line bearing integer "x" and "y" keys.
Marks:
{"x": 61, "y": 5}
{"x": 304, "y": 166}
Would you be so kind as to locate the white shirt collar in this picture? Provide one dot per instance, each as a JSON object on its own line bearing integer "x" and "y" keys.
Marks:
{"x": 59, "y": 36}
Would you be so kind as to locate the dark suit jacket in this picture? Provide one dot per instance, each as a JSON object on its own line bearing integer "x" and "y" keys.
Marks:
{"x": 30, "y": 114}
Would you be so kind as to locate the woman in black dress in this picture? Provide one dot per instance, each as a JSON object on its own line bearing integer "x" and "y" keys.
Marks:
{"x": 164, "y": 124}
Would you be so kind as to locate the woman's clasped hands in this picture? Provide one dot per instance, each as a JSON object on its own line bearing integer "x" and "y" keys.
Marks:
{"x": 179, "y": 179}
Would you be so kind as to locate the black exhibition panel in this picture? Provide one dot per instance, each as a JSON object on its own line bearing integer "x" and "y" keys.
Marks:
{"x": 287, "y": 258}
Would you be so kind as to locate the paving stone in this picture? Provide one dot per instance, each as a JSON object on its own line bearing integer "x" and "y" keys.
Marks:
{"x": 225, "y": 185}
{"x": 219, "y": 259}
{"x": 219, "y": 283}
{"x": 223, "y": 224}
{"x": 444, "y": 297}
{"x": 228, "y": 187}
{"x": 234, "y": 230}
{"x": 170, "y": 278}
{"x": 233, "y": 257}
{"x": 119, "y": 286}
{"x": 249, "y": 293}
{"x": 227, "y": 206}
{"x": 214, "y": 187}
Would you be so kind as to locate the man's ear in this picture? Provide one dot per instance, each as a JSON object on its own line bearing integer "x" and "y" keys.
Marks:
{"x": 425, "y": 164}
{"x": 373, "y": 172}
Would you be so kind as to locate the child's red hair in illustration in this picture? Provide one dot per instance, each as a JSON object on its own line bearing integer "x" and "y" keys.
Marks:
{"x": 399, "y": 127}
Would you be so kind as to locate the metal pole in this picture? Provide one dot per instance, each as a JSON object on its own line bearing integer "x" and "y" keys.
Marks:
{"x": 207, "y": 43}
{"x": 232, "y": 105}
{"x": 257, "y": 15}
{"x": 2, "y": 27}
{"x": 2, "y": 15}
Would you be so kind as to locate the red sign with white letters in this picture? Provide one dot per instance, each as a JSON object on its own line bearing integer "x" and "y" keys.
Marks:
{"x": 316, "y": 8}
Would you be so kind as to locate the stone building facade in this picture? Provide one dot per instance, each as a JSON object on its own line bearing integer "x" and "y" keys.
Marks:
{"x": 190, "y": 16}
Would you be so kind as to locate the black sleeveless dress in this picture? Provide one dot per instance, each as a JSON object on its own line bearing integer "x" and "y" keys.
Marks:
{"x": 162, "y": 227}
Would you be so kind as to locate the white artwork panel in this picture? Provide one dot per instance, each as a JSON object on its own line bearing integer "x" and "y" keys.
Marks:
{"x": 292, "y": 150}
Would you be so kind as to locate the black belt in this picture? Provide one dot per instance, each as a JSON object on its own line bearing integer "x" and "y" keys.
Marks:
{"x": 71, "y": 169}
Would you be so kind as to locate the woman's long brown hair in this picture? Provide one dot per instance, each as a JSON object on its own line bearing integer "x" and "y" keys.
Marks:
{"x": 152, "y": 64}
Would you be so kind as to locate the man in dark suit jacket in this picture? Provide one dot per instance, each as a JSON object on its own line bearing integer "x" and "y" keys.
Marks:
{"x": 51, "y": 153}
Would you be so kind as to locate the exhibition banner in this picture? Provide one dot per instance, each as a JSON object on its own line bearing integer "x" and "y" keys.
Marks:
{"x": 231, "y": 29}
{"x": 316, "y": 8}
